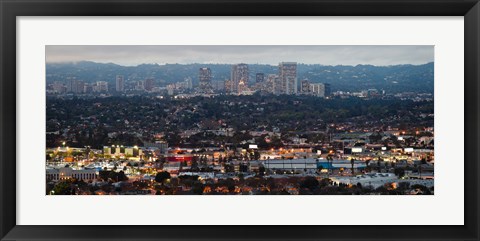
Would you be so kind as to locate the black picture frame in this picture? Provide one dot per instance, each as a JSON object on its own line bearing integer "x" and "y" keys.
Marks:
{"x": 10, "y": 9}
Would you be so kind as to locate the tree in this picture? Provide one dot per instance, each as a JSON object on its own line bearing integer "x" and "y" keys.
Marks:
{"x": 162, "y": 176}
{"x": 62, "y": 188}
{"x": 229, "y": 168}
{"x": 400, "y": 172}
{"x": 197, "y": 188}
{"x": 121, "y": 176}
{"x": 113, "y": 176}
{"x": 104, "y": 175}
{"x": 309, "y": 182}
{"x": 261, "y": 171}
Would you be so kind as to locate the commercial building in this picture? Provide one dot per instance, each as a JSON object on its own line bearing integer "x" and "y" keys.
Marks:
{"x": 239, "y": 73}
{"x": 277, "y": 84}
{"x": 328, "y": 89}
{"x": 101, "y": 86}
{"x": 58, "y": 87}
{"x": 310, "y": 164}
{"x": 288, "y": 76}
{"x": 75, "y": 86}
{"x": 140, "y": 86}
{"x": 149, "y": 84}
{"x": 259, "y": 77}
{"x": 64, "y": 173}
{"x": 228, "y": 86}
{"x": 205, "y": 79}
{"x": 119, "y": 83}
{"x": 162, "y": 146}
{"x": 122, "y": 151}
{"x": 317, "y": 89}
{"x": 305, "y": 87}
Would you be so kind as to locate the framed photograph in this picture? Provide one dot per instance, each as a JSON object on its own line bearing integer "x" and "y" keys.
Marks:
{"x": 228, "y": 120}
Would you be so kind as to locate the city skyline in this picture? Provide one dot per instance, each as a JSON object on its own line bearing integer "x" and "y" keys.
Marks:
{"x": 378, "y": 55}
{"x": 240, "y": 128}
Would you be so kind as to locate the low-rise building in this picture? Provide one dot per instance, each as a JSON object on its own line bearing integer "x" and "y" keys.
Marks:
{"x": 65, "y": 173}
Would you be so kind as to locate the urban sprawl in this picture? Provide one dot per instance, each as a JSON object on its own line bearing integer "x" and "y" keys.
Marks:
{"x": 252, "y": 134}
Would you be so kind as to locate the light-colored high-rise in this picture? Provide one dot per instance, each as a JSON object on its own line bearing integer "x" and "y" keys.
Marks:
{"x": 287, "y": 72}
{"x": 239, "y": 74}
{"x": 318, "y": 89}
{"x": 119, "y": 83}
{"x": 205, "y": 79}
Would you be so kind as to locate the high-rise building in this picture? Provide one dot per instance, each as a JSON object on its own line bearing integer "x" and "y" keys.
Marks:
{"x": 88, "y": 88}
{"x": 239, "y": 73}
{"x": 205, "y": 79}
{"x": 80, "y": 87}
{"x": 74, "y": 85}
{"x": 288, "y": 75}
{"x": 242, "y": 87}
{"x": 120, "y": 83}
{"x": 58, "y": 87}
{"x": 328, "y": 90}
{"x": 149, "y": 84}
{"x": 270, "y": 83}
{"x": 318, "y": 89}
{"x": 305, "y": 87}
{"x": 71, "y": 84}
{"x": 277, "y": 84}
{"x": 228, "y": 86}
{"x": 218, "y": 85}
{"x": 188, "y": 83}
{"x": 140, "y": 86}
{"x": 259, "y": 77}
{"x": 101, "y": 86}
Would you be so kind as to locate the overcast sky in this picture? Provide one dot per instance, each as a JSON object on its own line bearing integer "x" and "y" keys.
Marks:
{"x": 229, "y": 54}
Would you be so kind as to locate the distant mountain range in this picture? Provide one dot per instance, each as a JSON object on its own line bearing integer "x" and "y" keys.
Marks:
{"x": 397, "y": 78}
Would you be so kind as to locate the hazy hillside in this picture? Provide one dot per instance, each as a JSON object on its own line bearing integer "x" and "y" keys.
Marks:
{"x": 348, "y": 78}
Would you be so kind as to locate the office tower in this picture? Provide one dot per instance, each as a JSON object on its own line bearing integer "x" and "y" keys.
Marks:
{"x": 58, "y": 87}
{"x": 80, "y": 87}
{"x": 218, "y": 85}
{"x": 242, "y": 87}
{"x": 269, "y": 83}
{"x": 228, "y": 86}
{"x": 239, "y": 73}
{"x": 305, "y": 87}
{"x": 318, "y": 89}
{"x": 102, "y": 86}
{"x": 288, "y": 75}
{"x": 140, "y": 86}
{"x": 88, "y": 88}
{"x": 170, "y": 89}
{"x": 205, "y": 79}
{"x": 259, "y": 77}
{"x": 328, "y": 90}
{"x": 149, "y": 84}
{"x": 120, "y": 83}
{"x": 188, "y": 83}
{"x": 277, "y": 84}
{"x": 71, "y": 85}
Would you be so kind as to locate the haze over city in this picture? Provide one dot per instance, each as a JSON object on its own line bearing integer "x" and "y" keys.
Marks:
{"x": 131, "y": 55}
{"x": 240, "y": 120}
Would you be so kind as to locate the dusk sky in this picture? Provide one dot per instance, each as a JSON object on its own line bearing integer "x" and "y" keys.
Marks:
{"x": 131, "y": 55}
